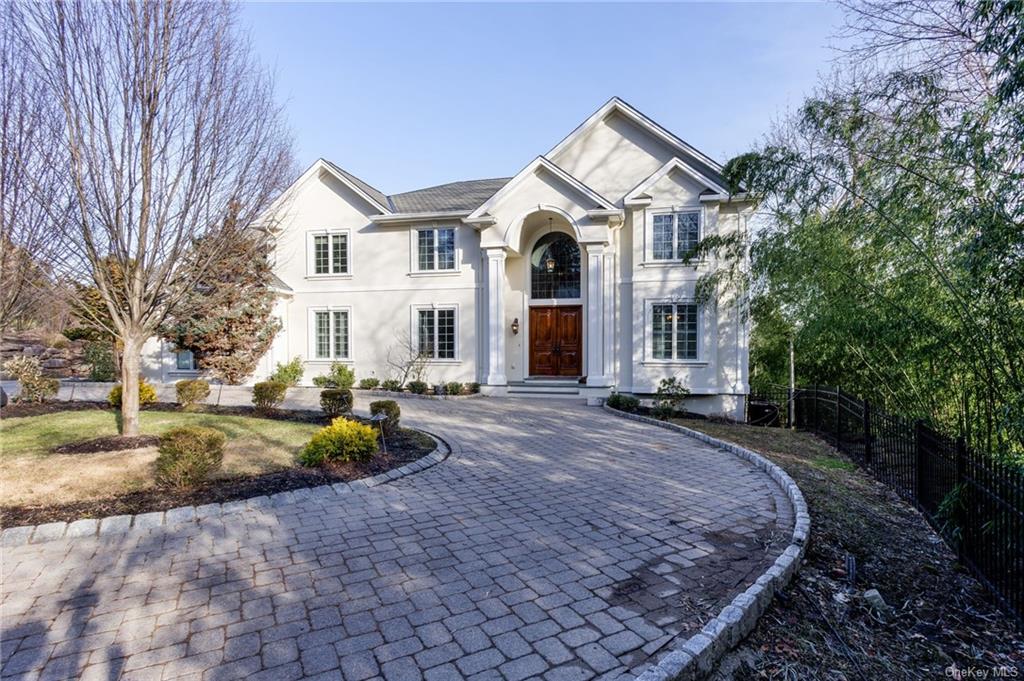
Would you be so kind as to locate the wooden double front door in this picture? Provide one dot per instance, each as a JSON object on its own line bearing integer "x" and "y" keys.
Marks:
{"x": 556, "y": 341}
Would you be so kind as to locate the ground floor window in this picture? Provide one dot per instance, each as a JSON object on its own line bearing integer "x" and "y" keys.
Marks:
{"x": 674, "y": 328}
{"x": 435, "y": 332}
{"x": 185, "y": 360}
{"x": 331, "y": 334}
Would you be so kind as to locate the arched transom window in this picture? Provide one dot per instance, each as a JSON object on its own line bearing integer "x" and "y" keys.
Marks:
{"x": 555, "y": 267}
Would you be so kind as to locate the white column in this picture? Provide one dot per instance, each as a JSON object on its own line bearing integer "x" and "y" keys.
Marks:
{"x": 595, "y": 315}
{"x": 496, "y": 317}
{"x": 610, "y": 277}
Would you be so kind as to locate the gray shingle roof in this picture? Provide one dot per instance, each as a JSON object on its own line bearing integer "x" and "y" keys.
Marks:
{"x": 372, "y": 192}
{"x": 454, "y": 196}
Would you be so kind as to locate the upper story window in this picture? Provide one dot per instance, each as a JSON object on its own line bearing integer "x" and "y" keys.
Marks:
{"x": 329, "y": 253}
{"x": 435, "y": 249}
{"x": 674, "y": 235}
{"x": 330, "y": 334}
{"x": 555, "y": 267}
{"x": 435, "y": 332}
{"x": 674, "y": 329}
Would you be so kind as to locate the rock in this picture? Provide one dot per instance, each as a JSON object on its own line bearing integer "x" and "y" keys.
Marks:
{"x": 33, "y": 350}
{"x": 54, "y": 363}
{"x": 876, "y": 602}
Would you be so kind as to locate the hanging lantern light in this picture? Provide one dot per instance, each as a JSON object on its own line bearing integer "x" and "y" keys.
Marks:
{"x": 550, "y": 263}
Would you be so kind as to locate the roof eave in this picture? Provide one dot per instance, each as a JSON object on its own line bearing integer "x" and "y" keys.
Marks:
{"x": 400, "y": 218}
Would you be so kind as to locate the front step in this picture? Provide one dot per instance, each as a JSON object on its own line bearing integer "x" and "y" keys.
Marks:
{"x": 545, "y": 388}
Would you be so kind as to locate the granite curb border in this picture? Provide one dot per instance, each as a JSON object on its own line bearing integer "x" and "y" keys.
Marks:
{"x": 118, "y": 524}
{"x": 373, "y": 392}
{"x": 697, "y": 655}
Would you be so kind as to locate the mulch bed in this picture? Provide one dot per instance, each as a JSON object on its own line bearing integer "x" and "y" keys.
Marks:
{"x": 821, "y": 627}
{"x": 19, "y": 409}
{"x": 404, "y": 447}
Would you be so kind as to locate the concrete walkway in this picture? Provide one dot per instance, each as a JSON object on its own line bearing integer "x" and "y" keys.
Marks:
{"x": 556, "y": 542}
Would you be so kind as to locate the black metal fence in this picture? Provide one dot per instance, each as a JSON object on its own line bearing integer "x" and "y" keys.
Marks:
{"x": 974, "y": 501}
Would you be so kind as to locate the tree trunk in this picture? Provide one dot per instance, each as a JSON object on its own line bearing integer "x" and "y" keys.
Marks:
{"x": 131, "y": 363}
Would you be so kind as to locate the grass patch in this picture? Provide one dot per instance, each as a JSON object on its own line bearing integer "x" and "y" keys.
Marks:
{"x": 30, "y": 473}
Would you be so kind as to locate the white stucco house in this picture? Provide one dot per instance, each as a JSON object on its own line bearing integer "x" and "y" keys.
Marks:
{"x": 565, "y": 279}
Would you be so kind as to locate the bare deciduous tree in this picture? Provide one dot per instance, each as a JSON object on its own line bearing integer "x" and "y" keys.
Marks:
{"x": 28, "y": 120}
{"x": 406, "y": 359}
{"x": 169, "y": 127}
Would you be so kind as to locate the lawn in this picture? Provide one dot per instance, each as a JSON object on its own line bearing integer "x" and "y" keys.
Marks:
{"x": 31, "y": 474}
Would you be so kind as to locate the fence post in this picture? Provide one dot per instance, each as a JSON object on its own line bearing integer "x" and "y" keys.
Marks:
{"x": 867, "y": 433}
{"x": 919, "y": 459}
{"x": 815, "y": 420}
{"x": 789, "y": 407}
{"x": 839, "y": 423}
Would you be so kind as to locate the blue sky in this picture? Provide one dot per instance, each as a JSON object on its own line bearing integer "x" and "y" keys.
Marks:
{"x": 408, "y": 96}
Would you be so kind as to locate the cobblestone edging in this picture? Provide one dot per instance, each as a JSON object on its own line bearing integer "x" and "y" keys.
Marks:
{"x": 89, "y": 527}
{"x": 697, "y": 655}
{"x": 413, "y": 396}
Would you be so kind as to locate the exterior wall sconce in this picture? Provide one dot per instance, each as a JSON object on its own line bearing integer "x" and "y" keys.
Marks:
{"x": 515, "y": 326}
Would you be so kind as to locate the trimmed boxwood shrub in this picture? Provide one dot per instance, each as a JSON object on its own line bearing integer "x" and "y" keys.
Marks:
{"x": 340, "y": 376}
{"x": 417, "y": 387}
{"x": 473, "y": 388}
{"x": 191, "y": 392}
{"x": 391, "y": 385}
{"x": 336, "y": 401}
{"x": 453, "y": 388}
{"x": 189, "y": 455}
{"x": 147, "y": 394}
{"x": 391, "y": 409}
{"x": 369, "y": 383}
{"x": 626, "y": 403}
{"x": 268, "y": 395}
{"x": 343, "y": 440}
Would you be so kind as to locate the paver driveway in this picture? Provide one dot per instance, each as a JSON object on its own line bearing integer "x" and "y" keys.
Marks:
{"x": 556, "y": 542}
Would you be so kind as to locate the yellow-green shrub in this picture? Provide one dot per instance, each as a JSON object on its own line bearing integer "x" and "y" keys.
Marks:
{"x": 343, "y": 440}
{"x": 147, "y": 394}
{"x": 191, "y": 392}
{"x": 188, "y": 455}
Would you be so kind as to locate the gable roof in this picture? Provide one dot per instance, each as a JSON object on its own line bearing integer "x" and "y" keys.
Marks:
{"x": 673, "y": 164}
{"x": 365, "y": 188}
{"x": 535, "y": 165}
{"x": 692, "y": 156}
{"x": 450, "y": 197}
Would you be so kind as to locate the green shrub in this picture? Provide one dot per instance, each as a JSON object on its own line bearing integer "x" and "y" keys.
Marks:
{"x": 188, "y": 455}
{"x": 669, "y": 396}
{"x": 391, "y": 385}
{"x": 453, "y": 388}
{"x": 336, "y": 401}
{"x": 191, "y": 392}
{"x": 147, "y": 394}
{"x": 369, "y": 383}
{"x": 417, "y": 387}
{"x": 390, "y": 409}
{"x": 473, "y": 388}
{"x": 340, "y": 376}
{"x": 289, "y": 374}
{"x": 343, "y": 440}
{"x": 100, "y": 356}
{"x": 626, "y": 403}
{"x": 34, "y": 386}
{"x": 82, "y": 333}
{"x": 268, "y": 395}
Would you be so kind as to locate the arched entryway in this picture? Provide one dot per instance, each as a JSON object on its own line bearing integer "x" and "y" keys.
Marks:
{"x": 555, "y": 346}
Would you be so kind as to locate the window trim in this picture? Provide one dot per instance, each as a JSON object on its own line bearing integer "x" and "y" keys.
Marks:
{"x": 311, "y": 272}
{"x": 414, "y": 251}
{"x": 649, "y": 214}
{"x": 414, "y": 318}
{"x": 311, "y": 334}
{"x": 649, "y": 357}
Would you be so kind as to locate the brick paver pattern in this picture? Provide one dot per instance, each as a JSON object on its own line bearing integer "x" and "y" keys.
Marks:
{"x": 506, "y": 561}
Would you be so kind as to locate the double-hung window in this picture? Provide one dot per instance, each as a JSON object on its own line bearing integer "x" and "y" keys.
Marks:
{"x": 435, "y": 332}
{"x": 435, "y": 249}
{"x": 674, "y": 235}
{"x": 185, "y": 360}
{"x": 331, "y": 334}
{"x": 330, "y": 253}
{"x": 674, "y": 329}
